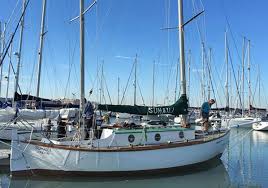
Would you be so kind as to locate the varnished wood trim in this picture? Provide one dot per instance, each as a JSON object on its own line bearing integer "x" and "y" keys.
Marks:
{"x": 129, "y": 148}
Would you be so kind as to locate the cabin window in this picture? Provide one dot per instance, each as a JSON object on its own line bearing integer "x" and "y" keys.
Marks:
{"x": 181, "y": 134}
{"x": 157, "y": 137}
{"x": 131, "y": 138}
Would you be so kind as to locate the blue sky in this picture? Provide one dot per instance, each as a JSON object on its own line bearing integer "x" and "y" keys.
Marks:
{"x": 118, "y": 30}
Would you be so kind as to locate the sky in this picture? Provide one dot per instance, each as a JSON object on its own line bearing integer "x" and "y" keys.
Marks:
{"x": 118, "y": 30}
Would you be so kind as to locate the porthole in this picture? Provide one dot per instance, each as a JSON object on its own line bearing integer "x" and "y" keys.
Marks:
{"x": 181, "y": 134}
{"x": 157, "y": 137}
{"x": 131, "y": 138}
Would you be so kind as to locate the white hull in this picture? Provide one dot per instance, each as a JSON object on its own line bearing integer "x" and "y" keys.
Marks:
{"x": 260, "y": 126}
{"x": 35, "y": 116}
{"x": 8, "y": 114}
{"x": 25, "y": 134}
{"x": 42, "y": 158}
{"x": 161, "y": 117}
{"x": 238, "y": 122}
{"x": 123, "y": 115}
{"x": 191, "y": 120}
{"x": 27, "y": 129}
{"x": 4, "y": 157}
{"x": 6, "y": 129}
{"x": 27, "y": 114}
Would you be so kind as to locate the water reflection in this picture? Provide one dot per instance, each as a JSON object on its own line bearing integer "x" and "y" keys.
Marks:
{"x": 260, "y": 138}
{"x": 209, "y": 175}
{"x": 245, "y": 158}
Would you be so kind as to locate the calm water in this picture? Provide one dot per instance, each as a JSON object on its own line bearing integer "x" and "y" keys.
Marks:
{"x": 242, "y": 165}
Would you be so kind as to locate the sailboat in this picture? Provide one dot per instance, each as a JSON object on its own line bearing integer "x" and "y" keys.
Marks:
{"x": 263, "y": 124}
{"x": 260, "y": 126}
{"x": 13, "y": 118}
{"x": 244, "y": 121}
{"x": 120, "y": 151}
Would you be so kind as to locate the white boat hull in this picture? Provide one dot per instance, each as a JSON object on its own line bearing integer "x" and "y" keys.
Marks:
{"x": 238, "y": 122}
{"x": 28, "y": 158}
{"x": 260, "y": 126}
{"x": 28, "y": 114}
{"x": 4, "y": 157}
{"x": 35, "y": 117}
{"x": 7, "y": 128}
{"x": 7, "y": 114}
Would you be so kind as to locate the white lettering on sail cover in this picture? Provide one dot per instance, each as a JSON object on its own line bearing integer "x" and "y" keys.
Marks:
{"x": 160, "y": 110}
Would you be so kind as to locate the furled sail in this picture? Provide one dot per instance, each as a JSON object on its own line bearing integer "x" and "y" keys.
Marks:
{"x": 180, "y": 107}
{"x": 18, "y": 97}
{"x": 258, "y": 109}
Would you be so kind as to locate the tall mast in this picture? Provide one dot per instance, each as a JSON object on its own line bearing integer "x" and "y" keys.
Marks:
{"x": 182, "y": 58}
{"x": 101, "y": 82}
{"x": 40, "y": 51}
{"x": 259, "y": 85}
{"x": 118, "y": 90}
{"x": 8, "y": 74}
{"x": 189, "y": 73}
{"x": 135, "y": 81}
{"x": 238, "y": 89}
{"x": 243, "y": 76}
{"x": 82, "y": 59}
{"x": 154, "y": 82}
{"x": 203, "y": 72}
{"x": 3, "y": 47}
{"x": 249, "y": 83}
{"x": 208, "y": 66}
{"x": 1, "y": 54}
{"x": 176, "y": 84}
{"x": 227, "y": 71}
{"x": 1, "y": 50}
{"x": 20, "y": 48}
{"x": 230, "y": 84}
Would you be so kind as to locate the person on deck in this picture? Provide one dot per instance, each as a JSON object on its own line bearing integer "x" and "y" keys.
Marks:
{"x": 47, "y": 128}
{"x": 205, "y": 109}
{"x": 88, "y": 117}
{"x": 61, "y": 128}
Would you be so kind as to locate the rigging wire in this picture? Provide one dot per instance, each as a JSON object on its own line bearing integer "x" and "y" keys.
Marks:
{"x": 255, "y": 91}
{"x": 34, "y": 69}
{"x": 11, "y": 16}
{"x": 13, "y": 70}
{"x": 71, "y": 64}
{"x": 236, "y": 82}
{"x": 239, "y": 57}
{"x": 253, "y": 64}
{"x": 123, "y": 97}
{"x": 49, "y": 81}
{"x": 140, "y": 93}
{"x": 210, "y": 79}
{"x": 168, "y": 45}
{"x": 69, "y": 72}
{"x": 202, "y": 40}
{"x": 13, "y": 34}
{"x": 107, "y": 90}
{"x": 201, "y": 37}
{"x": 52, "y": 53}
